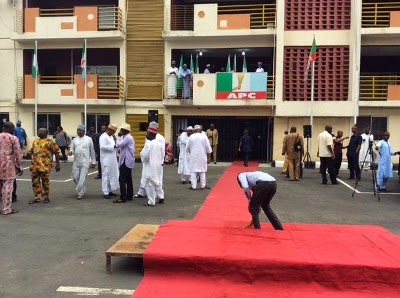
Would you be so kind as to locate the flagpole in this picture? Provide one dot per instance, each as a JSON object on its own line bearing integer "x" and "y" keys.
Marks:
{"x": 85, "y": 108}
{"x": 36, "y": 92}
{"x": 312, "y": 100}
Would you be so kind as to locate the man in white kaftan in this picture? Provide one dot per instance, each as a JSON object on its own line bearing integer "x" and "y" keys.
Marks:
{"x": 172, "y": 74}
{"x": 109, "y": 163}
{"x": 197, "y": 149}
{"x": 183, "y": 165}
{"x": 367, "y": 137}
{"x": 83, "y": 150}
{"x": 152, "y": 156}
{"x": 142, "y": 191}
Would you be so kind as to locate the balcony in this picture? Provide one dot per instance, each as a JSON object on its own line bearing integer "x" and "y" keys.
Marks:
{"x": 219, "y": 20}
{"x": 380, "y": 90}
{"x": 380, "y": 18}
{"x": 69, "y": 23}
{"x": 212, "y": 90}
{"x": 70, "y": 90}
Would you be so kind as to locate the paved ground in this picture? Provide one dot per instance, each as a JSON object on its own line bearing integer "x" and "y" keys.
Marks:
{"x": 62, "y": 243}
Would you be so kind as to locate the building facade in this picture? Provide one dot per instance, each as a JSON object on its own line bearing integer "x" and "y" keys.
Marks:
{"x": 130, "y": 46}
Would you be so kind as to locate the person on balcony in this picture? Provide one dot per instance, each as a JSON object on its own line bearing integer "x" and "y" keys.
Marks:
{"x": 172, "y": 74}
{"x": 207, "y": 70}
{"x": 259, "y": 67}
{"x": 186, "y": 76}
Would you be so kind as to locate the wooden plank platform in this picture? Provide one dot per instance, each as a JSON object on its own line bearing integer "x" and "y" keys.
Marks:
{"x": 133, "y": 244}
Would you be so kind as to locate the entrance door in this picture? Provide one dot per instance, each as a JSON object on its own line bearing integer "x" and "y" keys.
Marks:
{"x": 230, "y": 129}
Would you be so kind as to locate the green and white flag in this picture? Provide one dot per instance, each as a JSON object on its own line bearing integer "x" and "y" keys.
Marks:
{"x": 179, "y": 83}
{"x": 191, "y": 64}
{"x": 228, "y": 64}
{"x": 83, "y": 61}
{"x": 35, "y": 66}
{"x": 197, "y": 64}
{"x": 234, "y": 64}
{"x": 244, "y": 64}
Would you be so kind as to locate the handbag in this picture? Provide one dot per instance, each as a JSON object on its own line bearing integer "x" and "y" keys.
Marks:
{"x": 297, "y": 144}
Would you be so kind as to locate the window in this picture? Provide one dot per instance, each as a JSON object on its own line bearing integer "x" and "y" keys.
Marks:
{"x": 49, "y": 121}
{"x": 4, "y": 117}
{"x": 377, "y": 125}
{"x": 96, "y": 120}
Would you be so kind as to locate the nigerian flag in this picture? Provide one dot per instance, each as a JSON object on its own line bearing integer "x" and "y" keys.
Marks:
{"x": 179, "y": 83}
{"x": 228, "y": 64}
{"x": 244, "y": 64}
{"x": 35, "y": 66}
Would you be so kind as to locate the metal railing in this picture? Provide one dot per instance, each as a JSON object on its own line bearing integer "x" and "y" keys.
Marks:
{"x": 20, "y": 88}
{"x": 19, "y": 21}
{"x": 110, "y": 87}
{"x": 261, "y": 15}
{"x": 375, "y": 88}
{"x": 56, "y": 80}
{"x": 179, "y": 18}
{"x": 56, "y": 12}
{"x": 378, "y": 14}
{"x": 110, "y": 18}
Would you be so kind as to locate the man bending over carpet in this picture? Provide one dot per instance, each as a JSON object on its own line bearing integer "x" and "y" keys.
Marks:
{"x": 259, "y": 188}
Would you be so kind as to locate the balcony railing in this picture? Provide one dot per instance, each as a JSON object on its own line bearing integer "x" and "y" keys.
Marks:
{"x": 110, "y": 87}
{"x": 378, "y": 14}
{"x": 375, "y": 88}
{"x": 261, "y": 15}
{"x": 110, "y": 18}
{"x": 181, "y": 17}
{"x": 56, "y": 12}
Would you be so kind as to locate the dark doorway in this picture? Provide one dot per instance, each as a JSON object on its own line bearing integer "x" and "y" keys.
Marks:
{"x": 230, "y": 129}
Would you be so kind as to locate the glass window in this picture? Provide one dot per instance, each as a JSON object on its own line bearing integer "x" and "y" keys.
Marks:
{"x": 49, "y": 121}
{"x": 96, "y": 120}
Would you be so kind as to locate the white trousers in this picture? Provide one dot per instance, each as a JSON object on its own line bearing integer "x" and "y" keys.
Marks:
{"x": 153, "y": 192}
{"x": 193, "y": 179}
{"x": 142, "y": 189}
{"x": 79, "y": 175}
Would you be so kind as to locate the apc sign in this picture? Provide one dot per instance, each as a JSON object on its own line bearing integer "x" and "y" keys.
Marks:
{"x": 241, "y": 86}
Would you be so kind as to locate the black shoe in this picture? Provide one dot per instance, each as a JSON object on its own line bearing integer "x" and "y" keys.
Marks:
{"x": 111, "y": 194}
{"x": 148, "y": 205}
{"x": 191, "y": 188}
{"x": 256, "y": 220}
{"x": 160, "y": 201}
{"x": 138, "y": 196}
{"x": 350, "y": 178}
{"x": 107, "y": 197}
{"x": 97, "y": 177}
{"x": 206, "y": 187}
{"x": 184, "y": 182}
{"x": 129, "y": 199}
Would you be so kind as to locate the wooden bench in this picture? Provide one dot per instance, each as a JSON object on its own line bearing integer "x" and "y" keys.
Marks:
{"x": 133, "y": 244}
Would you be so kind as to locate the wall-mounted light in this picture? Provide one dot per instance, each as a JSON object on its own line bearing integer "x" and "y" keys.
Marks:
{"x": 243, "y": 53}
{"x": 201, "y": 53}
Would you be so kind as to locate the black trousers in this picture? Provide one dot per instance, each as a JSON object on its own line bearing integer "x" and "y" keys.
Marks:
{"x": 263, "y": 193}
{"x": 125, "y": 182}
{"x": 337, "y": 162}
{"x": 246, "y": 156}
{"x": 63, "y": 148}
{"x": 99, "y": 168}
{"x": 327, "y": 163}
{"x": 354, "y": 166}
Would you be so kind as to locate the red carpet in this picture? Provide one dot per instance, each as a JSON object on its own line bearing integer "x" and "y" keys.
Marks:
{"x": 214, "y": 256}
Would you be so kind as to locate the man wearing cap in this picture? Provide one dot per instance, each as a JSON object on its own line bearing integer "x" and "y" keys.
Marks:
{"x": 152, "y": 156}
{"x": 183, "y": 165}
{"x": 126, "y": 145}
{"x": 109, "y": 163}
{"x": 142, "y": 191}
{"x": 207, "y": 70}
{"x": 83, "y": 151}
{"x": 197, "y": 149}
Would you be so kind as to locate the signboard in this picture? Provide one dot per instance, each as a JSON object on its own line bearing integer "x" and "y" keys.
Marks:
{"x": 242, "y": 85}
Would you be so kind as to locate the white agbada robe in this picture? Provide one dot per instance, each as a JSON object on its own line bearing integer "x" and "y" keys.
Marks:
{"x": 197, "y": 149}
{"x": 142, "y": 190}
{"x": 83, "y": 150}
{"x": 109, "y": 164}
{"x": 172, "y": 74}
{"x": 152, "y": 156}
{"x": 364, "y": 150}
{"x": 183, "y": 165}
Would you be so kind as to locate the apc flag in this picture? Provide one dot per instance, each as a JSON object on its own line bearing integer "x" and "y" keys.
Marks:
{"x": 311, "y": 58}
